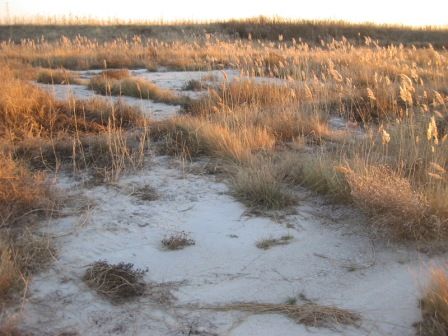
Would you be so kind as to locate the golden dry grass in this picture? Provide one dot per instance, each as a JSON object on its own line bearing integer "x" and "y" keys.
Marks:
{"x": 24, "y": 198}
{"x": 111, "y": 83}
{"x": 22, "y": 193}
{"x": 27, "y": 111}
{"x": 57, "y": 76}
{"x": 392, "y": 203}
{"x": 309, "y": 314}
{"x": 192, "y": 137}
{"x": 9, "y": 273}
{"x": 39, "y": 132}
{"x": 257, "y": 185}
{"x": 434, "y": 306}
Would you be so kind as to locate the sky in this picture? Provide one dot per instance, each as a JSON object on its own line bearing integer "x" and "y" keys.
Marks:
{"x": 410, "y": 12}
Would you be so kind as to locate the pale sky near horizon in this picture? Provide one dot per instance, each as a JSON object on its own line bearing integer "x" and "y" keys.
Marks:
{"x": 411, "y": 12}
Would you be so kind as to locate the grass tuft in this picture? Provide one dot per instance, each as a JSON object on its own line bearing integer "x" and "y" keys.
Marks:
{"x": 115, "y": 282}
{"x": 257, "y": 186}
{"x": 393, "y": 205}
{"x": 57, "y": 76}
{"x": 177, "y": 241}
{"x": 434, "y": 306}
{"x": 134, "y": 87}
{"x": 266, "y": 244}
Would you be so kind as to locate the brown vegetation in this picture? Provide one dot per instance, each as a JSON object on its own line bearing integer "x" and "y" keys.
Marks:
{"x": 266, "y": 244}
{"x": 57, "y": 76}
{"x": 117, "y": 84}
{"x": 309, "y": 314}
{"x": 116, "y": 282}
{"x": 264, "y": 28}
{"x": 177, "y": 241}
{"x": 434, "y": 306}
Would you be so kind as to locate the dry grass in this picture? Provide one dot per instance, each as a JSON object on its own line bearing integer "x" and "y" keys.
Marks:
{"x": 115, "y": 74}
{"x": 31, "y": 252}
{"x": 177, "y": 241}
{"x": 266, "y": 244}
{"x": 45, "y": 133}
{"x": 257, "y": 186}
{"x": 119, "y": 85}
{"x": 192, "y": 137}
{"x": 22, "y": 254}
{"x": 9, "y": 273}
{"x": 23, "y": 195}
{"x": 27, "y": 111}
{"x": 316, "y": 172}
{"x": 9, "y": 328}
{"x": 401, "y": 88}
{"x": 392, "y": 203}
{"x": 115, "y": 282}
{"x": 57, "y": 76}
{"x": 38, "y": 131}
{"x": 194, "y": 85}
{"x": 145, "y": 193}
{"x": 265, "y": 28}
{"x": 309, "y": 314}
{"x": 104, "y": 155}
{"x": 434, "y": 306}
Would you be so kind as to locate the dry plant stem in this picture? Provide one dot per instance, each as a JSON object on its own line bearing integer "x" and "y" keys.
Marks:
{"x": 309, "y": 314}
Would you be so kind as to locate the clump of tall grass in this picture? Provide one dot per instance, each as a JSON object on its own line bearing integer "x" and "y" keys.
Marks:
{"x": 24, "y": 197}
{"x": 434, "y": 305}
{"x": 106, "y": 84}
{"x": 115, "y": 74}
{"x": 9, "y": 272}
{"x": 412, "y": 155}
{"x": 392, "y": 203}
{"x": 257, "y": 185}
{"x": 22, "y": 193}
{"x": 27, "y": 111}
{"x": 57, "y": 76}
{"x": 194, "y": 85}
{"x": 192, "y": 137}
{"x": 244, "y": 92}
{"x": 85, "y": 134}
{"x": 314, "y": 171}
{"x": 106, "y": 155}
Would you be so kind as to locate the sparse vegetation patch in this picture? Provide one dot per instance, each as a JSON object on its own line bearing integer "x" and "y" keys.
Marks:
{"x": 57, "y": 76}
{"x": 309, "y": 314}
{"x": 177, "y": 241}
{"x": 266, "y": 244}
{"x": 109, "y": 83}
{"x": 115, "y": 281}
{"x": 434, "y": 306}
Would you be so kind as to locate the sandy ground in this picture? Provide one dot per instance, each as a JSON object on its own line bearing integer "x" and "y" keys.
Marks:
{"x": 174, "y": 80}
{"x": 331, "y": 261}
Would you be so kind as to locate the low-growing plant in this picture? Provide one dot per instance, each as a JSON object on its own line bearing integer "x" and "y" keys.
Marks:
{"x": 194, "y": 85}
{"x": 177, "y": 241}
{"x": 116, "y": 282}
{"x": 146, "y": 193}
{"x": 266, "y": 244}
{"x": 309, "y": 314}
